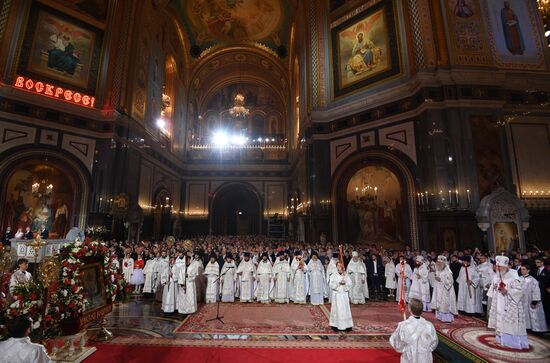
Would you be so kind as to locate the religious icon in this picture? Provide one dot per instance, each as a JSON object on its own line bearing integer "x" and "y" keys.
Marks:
{"x": 512, "y": 30}
{"x": 463, "y": 8}
{"x": 506, "y": 237}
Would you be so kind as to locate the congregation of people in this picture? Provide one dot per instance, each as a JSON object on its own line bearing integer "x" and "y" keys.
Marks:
{"x": 511, "y": 291}
{"x": 253, "y": 268}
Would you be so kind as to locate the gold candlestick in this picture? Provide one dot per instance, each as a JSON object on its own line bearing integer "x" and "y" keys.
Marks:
{"x": 36, "y": 245}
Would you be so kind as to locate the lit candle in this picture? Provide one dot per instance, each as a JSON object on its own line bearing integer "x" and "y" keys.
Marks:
{"x": 468, "y": 195}
{"x": 450, "y": 196}
{"x": 456, "y": 192}
{"x": 419, "y": 200}
{"x": 375, "y": 191}
{"x": 427, "y": 200}
{"x": 441, "y": 196}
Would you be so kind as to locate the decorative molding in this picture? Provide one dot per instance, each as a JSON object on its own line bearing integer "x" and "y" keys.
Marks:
{"x": 12, "y": 135}
{"x": 340, "y": 149}
{"x": 400, "y": 137}
{"x": 80, "y": 147}
{"x": 49, "y": 137}
{"x": 367, "y": 139}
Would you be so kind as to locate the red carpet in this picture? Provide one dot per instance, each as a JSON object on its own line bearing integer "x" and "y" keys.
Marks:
{"x": 158, "y": 354}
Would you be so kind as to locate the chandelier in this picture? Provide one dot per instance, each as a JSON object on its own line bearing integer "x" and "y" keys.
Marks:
{"x": 544, "y": 8}
{"x": 42, "y": 189}
{"x": 238, "y": 110}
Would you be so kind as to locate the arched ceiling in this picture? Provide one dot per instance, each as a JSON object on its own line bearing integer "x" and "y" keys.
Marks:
{"x": 217, "y": 23}
{"x": 238, "y": 65}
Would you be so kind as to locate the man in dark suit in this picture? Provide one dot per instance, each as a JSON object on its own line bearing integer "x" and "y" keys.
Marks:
{"x": 28, "y": 234}
{"x": 44, "y": 233}
{"x": 375, "y": 270}
{"x": 7, "y": 236}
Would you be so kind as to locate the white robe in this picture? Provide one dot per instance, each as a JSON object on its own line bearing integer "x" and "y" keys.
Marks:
{"x": 169, "y": 294}
{"x": 246, "y": 274}
{"x": 22, "y": 350}
{"x": 317, "y": 281}
{"x": 340, "y": 310}
{"x": 431, "y": 274}
{"x": 228, "y": 281}
{"x": 406, "y": 269}
{"x": 443, "y": 297}
{"x": 127, "y": 268}
{"x": 281, "y": 288}
{"x": 466, "y": 303}
{"x": 420, "y": 285}
{"x": 507, "y": 316}
{"x": 357, "y": 272}
{"x": 212, "y": 272}
{"x": 534, "y": 317}
{"x": 331, "y": 269}
{"x": 160, "y": 265}
{"x": 416, "y": 339}
{"x": 187, "y": 295}
{"x": 299, "y": 287}
{"x": 148, "y": 271}
{"x": 264, "y": 283}
{"x": 389, "y": 273}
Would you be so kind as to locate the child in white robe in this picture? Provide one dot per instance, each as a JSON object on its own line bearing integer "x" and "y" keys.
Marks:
{"x": 415, "y": 338}
{"x": 340, "y": 311}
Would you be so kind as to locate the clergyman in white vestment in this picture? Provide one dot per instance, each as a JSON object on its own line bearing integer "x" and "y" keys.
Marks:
{"x": 340, "y": 310}
{"x": 227, "y": 278}
{"x": 443, "y": 298}
{"x": 507, "y": 316}
{"x": 246, "y": 275}
{"x": 415, "y": 338}
{"x": 281, "y": 278}
{"x": 212, "y": 273}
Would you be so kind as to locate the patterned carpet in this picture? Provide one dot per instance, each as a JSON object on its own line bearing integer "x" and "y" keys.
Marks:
{"x": 296, "y": 327}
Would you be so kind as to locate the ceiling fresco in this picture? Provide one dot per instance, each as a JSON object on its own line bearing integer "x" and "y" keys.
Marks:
{"x": 212, "y": 23}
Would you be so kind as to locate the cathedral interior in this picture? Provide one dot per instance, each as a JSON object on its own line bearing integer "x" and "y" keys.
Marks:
{"x": 418, "y": 123}
{"x": 359, "y": 120}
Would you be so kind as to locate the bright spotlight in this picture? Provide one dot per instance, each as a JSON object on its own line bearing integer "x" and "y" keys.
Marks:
{"x": 547, "y": 33}
{"x": 238, "y": 140}
{"x": 161, "y": 123}
{"x": 220, "y": 139}
{"x": 259, "y": 139}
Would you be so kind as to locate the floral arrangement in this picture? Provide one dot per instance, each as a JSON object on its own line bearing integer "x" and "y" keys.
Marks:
{"x": 64, "y": 298}
{"x": 68, "y": 300}
{"x": 96, "y": 231}
{"x": 26, "y": 299}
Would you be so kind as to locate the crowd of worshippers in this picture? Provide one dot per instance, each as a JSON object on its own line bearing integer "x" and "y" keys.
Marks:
{"x": 253, "y": 268}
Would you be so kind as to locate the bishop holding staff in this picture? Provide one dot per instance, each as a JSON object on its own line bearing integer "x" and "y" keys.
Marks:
{"x": 340, "y": 311}
{"x": 281, "y": 278}
{"x": 507, "y": 316}
{"x": 469, "y": 295}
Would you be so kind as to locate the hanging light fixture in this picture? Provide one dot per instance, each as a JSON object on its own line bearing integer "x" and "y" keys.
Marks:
{"x": 238, "y": 109}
